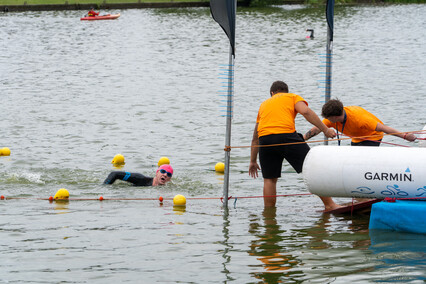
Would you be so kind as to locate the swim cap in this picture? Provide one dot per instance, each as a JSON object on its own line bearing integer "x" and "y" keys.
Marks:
{"x": 166, "y": 167}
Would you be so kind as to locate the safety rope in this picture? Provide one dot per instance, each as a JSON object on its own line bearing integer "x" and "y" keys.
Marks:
{"x": 382, "y": 142}
{"x": 227, "y": 148}
{"x": 393, "y": 199}
{"x": 101, "y": 198}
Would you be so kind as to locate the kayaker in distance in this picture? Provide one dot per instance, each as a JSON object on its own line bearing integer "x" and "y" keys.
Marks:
{"x": 92, "y": 13}
{"x": 163, "y": 175}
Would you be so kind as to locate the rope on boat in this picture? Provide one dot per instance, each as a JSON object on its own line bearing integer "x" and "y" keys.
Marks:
{"x": 393, "y": 199}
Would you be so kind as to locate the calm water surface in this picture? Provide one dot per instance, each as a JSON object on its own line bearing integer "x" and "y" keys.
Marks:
{"x": 74, "y": 94}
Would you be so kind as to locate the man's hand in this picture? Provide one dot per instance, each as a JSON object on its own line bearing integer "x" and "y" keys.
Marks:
{"x": 330, "y": 133}
{"x": 253, "y": 167}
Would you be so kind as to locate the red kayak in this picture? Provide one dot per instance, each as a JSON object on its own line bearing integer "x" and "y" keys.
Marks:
{"x": 103, "y": 17}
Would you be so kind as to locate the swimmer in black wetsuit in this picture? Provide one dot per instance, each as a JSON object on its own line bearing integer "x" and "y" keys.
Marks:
{"x": 163, "y": 175}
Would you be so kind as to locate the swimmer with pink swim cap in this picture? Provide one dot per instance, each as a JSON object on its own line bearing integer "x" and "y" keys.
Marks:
{"x": 311, "y": 36}
{"x": 162, "y": 176}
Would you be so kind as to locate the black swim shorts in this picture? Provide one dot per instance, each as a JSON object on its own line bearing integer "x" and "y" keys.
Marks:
{"x": 271, "y": 158}
{"x": 367, "y": 143}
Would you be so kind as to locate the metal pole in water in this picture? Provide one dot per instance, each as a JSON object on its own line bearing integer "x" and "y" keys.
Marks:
{"x": 329, "y": 56}
{"x": 229, "y": 97}
{"x": 224, "y": 13}
{"x": 329, "y": 50}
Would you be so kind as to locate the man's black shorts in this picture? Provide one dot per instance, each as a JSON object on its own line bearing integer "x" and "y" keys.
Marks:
{"x": 367, "y": 143}
{"x": 271, "y": 158}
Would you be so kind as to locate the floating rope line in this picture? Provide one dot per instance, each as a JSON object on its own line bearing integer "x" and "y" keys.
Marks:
{"x": 2, "y": 197}
{"x": 389, "y": 143}
{"x": 393, "y": 199}
{"x": 227, "y": 148}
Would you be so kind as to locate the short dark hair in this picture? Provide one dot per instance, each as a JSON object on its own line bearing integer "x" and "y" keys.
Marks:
{"x": 332, "y": 108}
{"x": 279, "y": 86}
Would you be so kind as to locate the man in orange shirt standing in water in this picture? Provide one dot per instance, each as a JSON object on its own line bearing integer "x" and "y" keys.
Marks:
{"x": 275, "y": 125}
{"x": 363, "y": 127}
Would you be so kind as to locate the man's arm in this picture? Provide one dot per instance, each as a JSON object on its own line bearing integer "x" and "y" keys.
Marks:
{"x": 314, "y": 131}
{"x": 253, "y": 167}
{"x": 389, "y": 130}
{"x": 313, "y": 118}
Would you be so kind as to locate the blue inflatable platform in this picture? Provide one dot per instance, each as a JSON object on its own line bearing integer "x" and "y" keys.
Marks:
{"x": 399, "y": 215}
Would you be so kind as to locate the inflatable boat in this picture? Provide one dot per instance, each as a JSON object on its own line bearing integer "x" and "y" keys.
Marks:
{"x": 103, "y": 17}
{"x": 395, "y": 174}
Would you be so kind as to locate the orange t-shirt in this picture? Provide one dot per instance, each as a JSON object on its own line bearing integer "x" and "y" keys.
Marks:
{"x": 359, "y": 123}
{"x": 276, "y": 115}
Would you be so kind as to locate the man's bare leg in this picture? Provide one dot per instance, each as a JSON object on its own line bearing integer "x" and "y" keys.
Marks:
{"x": 269, "y": 189}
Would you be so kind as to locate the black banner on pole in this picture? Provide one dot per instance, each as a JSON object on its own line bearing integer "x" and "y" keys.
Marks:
{"x": 329, "y": 12}
{"x": 224, "y": 13}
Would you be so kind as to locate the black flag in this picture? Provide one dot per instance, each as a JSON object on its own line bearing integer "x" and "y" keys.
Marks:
{"x": 329, "y": 12}
{"x": 224, "y": 13}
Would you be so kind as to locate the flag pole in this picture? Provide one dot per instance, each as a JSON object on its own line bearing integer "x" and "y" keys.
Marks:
{"x": 224, "y": 13}
{"x": 329, "y": 52}
{"x": 230, "y": 95}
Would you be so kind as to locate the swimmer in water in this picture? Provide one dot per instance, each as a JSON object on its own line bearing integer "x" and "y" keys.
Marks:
{"x": 162, "y": 176}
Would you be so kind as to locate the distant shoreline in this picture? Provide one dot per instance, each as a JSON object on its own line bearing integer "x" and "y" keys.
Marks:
{"x": 106, "y": 6}
{"x": 139, "y": 4}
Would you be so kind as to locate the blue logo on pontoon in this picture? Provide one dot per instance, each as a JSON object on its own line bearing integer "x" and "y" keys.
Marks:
{"x": 363, "y": 190}
{"x": 420, "y": 189}
{"x": 394, "y": 190}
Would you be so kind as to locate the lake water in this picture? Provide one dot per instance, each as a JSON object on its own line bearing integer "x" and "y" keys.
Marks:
{"x": 74, "y": 94}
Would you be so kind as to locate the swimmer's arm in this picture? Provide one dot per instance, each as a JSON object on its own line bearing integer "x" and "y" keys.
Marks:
{"x": 113, "y": 176}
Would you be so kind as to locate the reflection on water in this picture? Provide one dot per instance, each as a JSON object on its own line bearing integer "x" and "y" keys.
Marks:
{"x": 226, "y": 244}
{"x": 61, "y": 205}
{"x": 324, "y": 232}
{"x": 179, "y": 210}
{"x": 333, "y": 247}
{"x": 397, "y": 250}
{"x": 268, "y": 249}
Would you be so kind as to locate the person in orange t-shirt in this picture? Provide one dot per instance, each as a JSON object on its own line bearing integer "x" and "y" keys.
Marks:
{"x": 275, "y": 125}
{"x": 364, "y": 128}
{"x": 92, "y": 13}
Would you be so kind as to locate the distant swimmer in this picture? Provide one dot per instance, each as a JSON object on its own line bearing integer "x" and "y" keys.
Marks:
{"x": 363, "y": 127}
{"x": 163, "y": 175}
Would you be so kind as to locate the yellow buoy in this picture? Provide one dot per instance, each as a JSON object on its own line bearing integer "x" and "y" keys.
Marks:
{"x": 118, "y": 160}
{"x": 5, "y": 152}
{"x": 163, "y": 160}
{"x": 179, "y": 200}
{"x": 219, "y": 167}
{"x": 62, "y": 194}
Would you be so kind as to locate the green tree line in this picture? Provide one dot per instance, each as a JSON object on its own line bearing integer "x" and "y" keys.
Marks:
{"x": 253, "y": 3}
